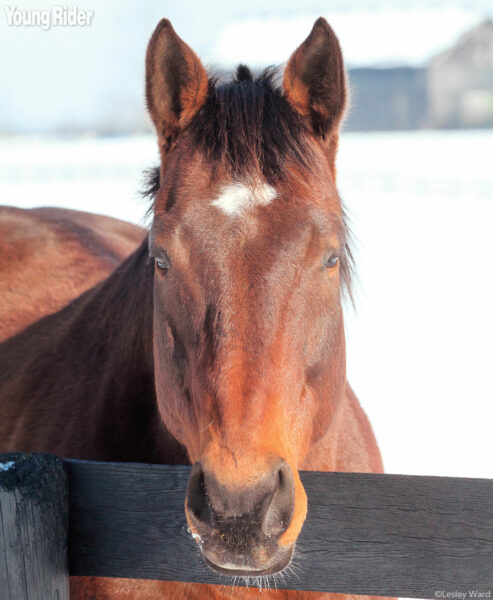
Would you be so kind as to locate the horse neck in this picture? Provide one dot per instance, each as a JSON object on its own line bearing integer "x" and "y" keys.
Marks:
{"x": 80, "y": 383}
{"x": 120, "y": 313}
{"x": 122, "y": 307}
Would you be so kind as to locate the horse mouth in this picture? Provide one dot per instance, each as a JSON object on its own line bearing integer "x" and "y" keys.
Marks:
{"x": 235, "y": 569}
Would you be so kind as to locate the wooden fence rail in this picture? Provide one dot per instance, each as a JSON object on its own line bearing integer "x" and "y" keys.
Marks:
{"x": 393, "y": 535}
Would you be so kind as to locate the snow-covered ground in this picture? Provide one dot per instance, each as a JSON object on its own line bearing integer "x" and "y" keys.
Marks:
{"x": 420, "y": 343}
{"x": 420, "y": 340}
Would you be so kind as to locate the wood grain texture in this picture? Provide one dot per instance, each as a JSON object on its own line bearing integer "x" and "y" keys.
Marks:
{"x": 389, "y": 535}
{"x": 33, "y": 528}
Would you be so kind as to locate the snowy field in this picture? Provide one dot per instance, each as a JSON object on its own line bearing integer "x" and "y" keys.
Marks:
{"x": 420, "y": 341}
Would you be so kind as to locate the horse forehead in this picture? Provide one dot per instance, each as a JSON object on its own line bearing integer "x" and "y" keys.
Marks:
{"x": 237, "y": 197}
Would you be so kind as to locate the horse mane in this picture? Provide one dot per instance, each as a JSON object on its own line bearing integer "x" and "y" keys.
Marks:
{"x": 247, "y": 126}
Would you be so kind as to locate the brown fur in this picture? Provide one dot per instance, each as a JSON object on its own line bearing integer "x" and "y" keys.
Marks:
{"x": 172, "y": 107}
{"x": 48, "y": 256}
{"x": 315, "y": 81}
{"x": 91, "y": 588}
{"x": 226, "y": 348}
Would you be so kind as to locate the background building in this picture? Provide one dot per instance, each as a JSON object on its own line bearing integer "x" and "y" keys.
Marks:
{"x": 460, "y": 81}
{"x": 386, "y": 99}
{"x": 453, "y": 90}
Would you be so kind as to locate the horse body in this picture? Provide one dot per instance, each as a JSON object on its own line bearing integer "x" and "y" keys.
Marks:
{"x": 48, "y": 256}
{"x": 219, "y": 342}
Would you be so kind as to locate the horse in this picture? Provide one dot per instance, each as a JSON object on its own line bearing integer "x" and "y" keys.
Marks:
{"x": 219, "y": 342}
{"x": 37, "y": 249}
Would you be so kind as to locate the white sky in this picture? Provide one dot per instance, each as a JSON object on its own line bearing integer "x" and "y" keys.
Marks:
{"x": 394, "y": 35}
{"x": 86, "y": 77}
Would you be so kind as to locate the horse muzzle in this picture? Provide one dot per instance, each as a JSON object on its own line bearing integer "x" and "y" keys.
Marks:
{"x": 239, "y": 529}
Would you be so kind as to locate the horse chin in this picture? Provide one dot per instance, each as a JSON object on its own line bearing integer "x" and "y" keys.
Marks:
{"x": 235, "y": 568}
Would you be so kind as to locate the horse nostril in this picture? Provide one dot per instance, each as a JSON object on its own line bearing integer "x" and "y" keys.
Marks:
{"x": 281, "y": 508}
{"x": 197, "y": 501}
{"x": 265, "y": 509}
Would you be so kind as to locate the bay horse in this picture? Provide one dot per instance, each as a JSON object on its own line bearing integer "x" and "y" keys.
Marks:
{"x": 219, "y": 342}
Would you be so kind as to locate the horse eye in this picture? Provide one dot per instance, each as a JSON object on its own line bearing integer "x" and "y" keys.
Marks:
{"x": 332, "y": 261}
{"x": 162, "y": 264}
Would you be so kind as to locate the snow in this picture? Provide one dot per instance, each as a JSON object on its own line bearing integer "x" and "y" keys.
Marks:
{"x": 6, "y": 466}
{"x": 420, "y": 340}
{"x": 100, "y": 175}
{"x": 420, "y": 343}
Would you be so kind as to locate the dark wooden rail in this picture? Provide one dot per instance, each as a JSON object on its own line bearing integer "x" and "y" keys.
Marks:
{"x": 33, "y": 527}
{"x": 394, "y": 535}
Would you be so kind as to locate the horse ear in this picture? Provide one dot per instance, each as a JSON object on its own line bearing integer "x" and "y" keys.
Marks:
{"x": 176, "y": 82}
{"x": 315, "y": 81}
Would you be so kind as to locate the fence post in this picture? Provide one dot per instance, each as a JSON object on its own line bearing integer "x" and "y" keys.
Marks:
{"x": 33, "y": 527}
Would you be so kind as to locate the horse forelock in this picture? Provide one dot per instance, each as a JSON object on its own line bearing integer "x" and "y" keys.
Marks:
{"x": 248, "y": 127}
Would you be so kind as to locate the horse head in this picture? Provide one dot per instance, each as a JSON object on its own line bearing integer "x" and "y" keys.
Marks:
{"x": 249, "y": 242}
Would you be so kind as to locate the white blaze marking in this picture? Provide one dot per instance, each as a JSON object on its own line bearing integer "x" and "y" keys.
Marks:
{"x": 237, "y": 197}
